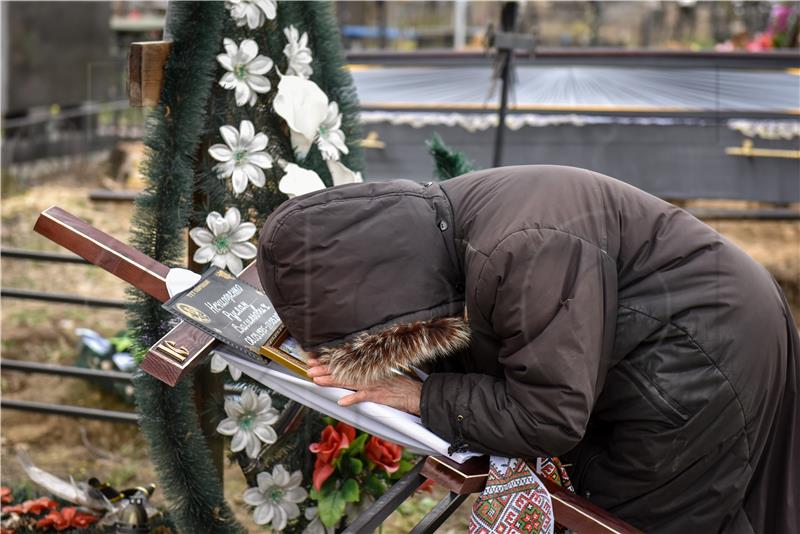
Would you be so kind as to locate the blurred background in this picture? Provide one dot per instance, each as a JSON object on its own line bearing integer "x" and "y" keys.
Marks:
{"x": 696, "y": 102}
{"x": 588, "y": 84}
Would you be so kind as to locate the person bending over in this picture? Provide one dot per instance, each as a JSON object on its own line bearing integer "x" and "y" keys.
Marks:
{"x": 561, "y": 312}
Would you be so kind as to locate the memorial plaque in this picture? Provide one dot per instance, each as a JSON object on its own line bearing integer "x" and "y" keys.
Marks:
{"x": 239, "y": 315}
{"x": 160, "y": 360}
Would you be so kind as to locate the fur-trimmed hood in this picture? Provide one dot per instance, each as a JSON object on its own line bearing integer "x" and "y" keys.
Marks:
{"x": 371, "y": 357}
{"x": 366, "y": 276}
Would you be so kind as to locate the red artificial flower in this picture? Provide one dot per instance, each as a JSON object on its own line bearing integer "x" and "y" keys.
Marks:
{"x": 53, "y": 519}
{"x": 5, "y": 495}
{"x": 384, "y": 454}
{"x": 761, "y": 42}
{"x": 348, "y": 431}
{"x": 33, "y": 506}
{"x": 426, "y": 486}
{"x": 334, "y": 440}
{"x": 322, "y": 472}
{"x": 66, "y": 518}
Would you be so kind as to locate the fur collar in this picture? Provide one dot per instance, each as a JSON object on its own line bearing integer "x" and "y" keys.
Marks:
{"x": 371, "y": 357}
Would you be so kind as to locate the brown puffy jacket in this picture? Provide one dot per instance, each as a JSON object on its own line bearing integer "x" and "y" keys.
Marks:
{"x": 606, "y": 325}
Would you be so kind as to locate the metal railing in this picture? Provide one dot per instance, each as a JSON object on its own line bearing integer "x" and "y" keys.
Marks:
{"x": 113, "y": 416}
{"x": 779, "y": 59}
{"x": 84, "y": 373}
{"x": 45, "y": 142}
{"x": 57, "y": 257}
{"x": 69, "y": 410}
{"x": 60, "y": 298}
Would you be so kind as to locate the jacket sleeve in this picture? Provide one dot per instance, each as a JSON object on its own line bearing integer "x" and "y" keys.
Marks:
{"x": 550, "y": 298}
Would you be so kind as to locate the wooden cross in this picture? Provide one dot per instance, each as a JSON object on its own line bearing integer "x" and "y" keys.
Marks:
{"x": 181, "y": 348}
{"x": 184, "y": 346}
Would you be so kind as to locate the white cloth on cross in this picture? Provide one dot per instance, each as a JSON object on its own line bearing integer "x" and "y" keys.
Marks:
{"x": 179, "y": 280}
{"x": 379, "y": 420}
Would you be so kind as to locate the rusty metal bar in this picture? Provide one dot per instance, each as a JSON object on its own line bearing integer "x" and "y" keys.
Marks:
{"x": 28, "y": 294}
{"x": 68, "y": 410}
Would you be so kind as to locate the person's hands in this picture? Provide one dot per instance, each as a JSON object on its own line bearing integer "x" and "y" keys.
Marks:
{"x": 398, "y": 392}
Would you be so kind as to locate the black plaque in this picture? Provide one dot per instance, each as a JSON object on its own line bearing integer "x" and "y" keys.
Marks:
{"x": 234, "y": 312}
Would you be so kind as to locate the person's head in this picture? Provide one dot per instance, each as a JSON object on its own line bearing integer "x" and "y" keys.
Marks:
{"x": 366, "y": 276}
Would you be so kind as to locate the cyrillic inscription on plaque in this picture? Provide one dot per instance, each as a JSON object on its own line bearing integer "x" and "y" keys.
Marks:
{"x": 232, "y": 311}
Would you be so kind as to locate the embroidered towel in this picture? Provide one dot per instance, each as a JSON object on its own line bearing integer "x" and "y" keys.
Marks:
{"x": 515, "y": 499}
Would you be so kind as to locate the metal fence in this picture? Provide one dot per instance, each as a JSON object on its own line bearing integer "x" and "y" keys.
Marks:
{"x": 94, "y": 375}
{"x": 52, "y": 141}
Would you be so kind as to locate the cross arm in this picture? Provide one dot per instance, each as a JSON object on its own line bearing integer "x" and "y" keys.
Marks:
{"x": 105, "y": 251}
{"x": 179, "y": 350}
{"x": 182, "y": 347}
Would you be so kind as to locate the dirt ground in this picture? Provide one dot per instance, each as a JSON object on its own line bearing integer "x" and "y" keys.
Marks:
{"x": 45, "y": 333}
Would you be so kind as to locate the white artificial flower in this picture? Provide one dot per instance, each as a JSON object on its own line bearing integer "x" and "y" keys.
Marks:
{"x": 245, "y": 70}
{"x": 299, "y": 181}
{"x": 315, "y": 525}
{"x": 226, "y": 242}
{"x": 252, "y": 13}
{"x": 297, "y": 53}
{"x": 330, "y": 138}
{"x": 242, "y": 156}
{"x": 303, "y": 105}
{"x": 249, "y": 421}
{"x": 342, "y": 175}
{"x": 276, "y": 497}
{"x": 310, "y": 117}
{"x": 219, "y": 364}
